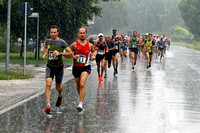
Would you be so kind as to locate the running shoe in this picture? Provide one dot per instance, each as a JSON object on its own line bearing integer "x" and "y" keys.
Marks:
{"x": 101, "y": 78}
{"x": 125, "y": 56}
{"x": 48, "y": 110}
{"x": 134, "y": 63}
{"x": 147, "y": 66}
{"x": 116, "y": 72}
{"x": 150, "y": 64}
{"x": 59, "y": 101}
{"x": 133, "y": 68}
{"x": 106, "y": 75}
{"x": 80, "y": 107}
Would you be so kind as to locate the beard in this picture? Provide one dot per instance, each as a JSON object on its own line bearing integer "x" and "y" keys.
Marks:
{"x": 82, "y": 39}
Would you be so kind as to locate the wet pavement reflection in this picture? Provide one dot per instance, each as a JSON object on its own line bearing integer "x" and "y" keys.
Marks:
{"x": 164, "y": 99}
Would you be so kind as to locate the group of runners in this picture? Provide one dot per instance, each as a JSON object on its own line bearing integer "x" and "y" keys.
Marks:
{"x": 106, "y": 50}
{"x": 113, "y": 47}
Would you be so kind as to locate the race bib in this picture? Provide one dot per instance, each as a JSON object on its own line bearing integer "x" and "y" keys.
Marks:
{"x": 161, "y": 46}
{"x": 81, "y": 59}
{"x": 122, "y": 44}
{"x": 51, "y": 56}
{"x": 148, "y": 47}
{"x": 116, "y": 46}
{"x": 101, "y": 52}
{"x": 134, "y": 46}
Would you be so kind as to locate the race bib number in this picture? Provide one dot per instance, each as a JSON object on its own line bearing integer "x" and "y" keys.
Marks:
{"x": 161, "y": 46}
{"x": 100, "y": 52}
{"x": 81, "y": 59}
{"x": 122, "y": 44}
{"x": 148, "y": 47}
{"x": 116, "y": 46}
{"x": 51, "y": 56}
{"x": 134, "y": 46}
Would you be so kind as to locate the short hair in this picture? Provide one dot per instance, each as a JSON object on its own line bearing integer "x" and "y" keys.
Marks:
{"x": 55, "y": 27}
{"x": 150, "y": 34}
{"x": 83, "y": 28}
{"x": 134, "y": 31}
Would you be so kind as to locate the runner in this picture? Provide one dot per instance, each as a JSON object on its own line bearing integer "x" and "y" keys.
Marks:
{"x": 149, "y": 44}
{"x": 134, "y": 42}
{"x": 108, "y": 55}
{"x": 53, "y": 52}
{"x": 115, "y": 57}
{"x": 165, "y": 39}
{"x": 161, "y": 45}
{"x": 123, "y": 47}
{"x": 101, "y": 48}
{"x": 81, "y": 68}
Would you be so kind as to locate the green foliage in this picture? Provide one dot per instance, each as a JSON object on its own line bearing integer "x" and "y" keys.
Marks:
{"x": 69, "y": 15}
{"x": 191, "y": 15}
{"x": 2, "y": 38}
{"x": 179, "y": 32}
{"x": 14, "y": 75}
{"x": 138, "y": 15}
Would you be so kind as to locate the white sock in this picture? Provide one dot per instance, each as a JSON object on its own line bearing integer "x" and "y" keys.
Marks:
{"x": 48, "y": 104}
{"x": 80, "y": 103}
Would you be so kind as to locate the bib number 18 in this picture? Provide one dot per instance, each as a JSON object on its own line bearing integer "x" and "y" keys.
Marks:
{"x": 81, "y": 59}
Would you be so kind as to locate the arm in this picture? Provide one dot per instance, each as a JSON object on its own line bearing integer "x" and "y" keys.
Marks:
{"x": 45, "y": 51}
{"x": 92, "y": 51}
{"x": 68, "y": 53}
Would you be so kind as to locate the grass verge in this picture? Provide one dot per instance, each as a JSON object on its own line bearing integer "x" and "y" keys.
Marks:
{"x": 195, "y": 46}
{"x": 14, "y": 75}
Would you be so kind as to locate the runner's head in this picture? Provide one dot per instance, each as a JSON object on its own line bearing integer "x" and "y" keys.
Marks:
{"x": 164, "y": 35}
{"x": 134, "y": 34}
{"x": 82, "y": 33}
{"x": 54, "y": 31}
{"x": 138, "y": 35}
{"x": 107, "y": 38}
{"x": 149, "y": 36}
{"x": 100, "y": 36}
{"x": 123, "y": 35}
{"x": 114, "y": 32}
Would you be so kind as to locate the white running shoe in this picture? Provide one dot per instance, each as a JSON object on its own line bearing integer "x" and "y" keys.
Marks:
{"x": 80, "y": 107}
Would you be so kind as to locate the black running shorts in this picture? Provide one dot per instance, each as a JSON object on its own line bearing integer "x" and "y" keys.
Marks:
{"x": 76, "y": 71}
{"x": 58, "y": 72}
{"x": 99, "y": 57}
{"x": 135, "y": 50}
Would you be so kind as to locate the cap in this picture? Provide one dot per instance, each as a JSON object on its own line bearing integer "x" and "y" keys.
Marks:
{"x": 100, "y": 34}
{"x": 146, "y": 34}
{"x": 114, "y": 30}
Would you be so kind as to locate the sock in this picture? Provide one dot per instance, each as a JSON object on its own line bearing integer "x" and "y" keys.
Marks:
{"x": 48, "y": 104}
{"x": 80, "y": 103}
{"x": 60, "y": 95}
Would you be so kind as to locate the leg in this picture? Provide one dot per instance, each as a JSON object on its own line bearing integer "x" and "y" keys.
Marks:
{"x": 77, "y": 80}
{"x": 116, "y": 59}
{"x": 147, "y": 54}
{"x": 122, "y": 54}
{"x": 105, "y": 67}
{"x": 48, "y": 89}
{"x": 98, "y": 68}
{"x": 133, "y": 58}
{"x": 83, "y": 79}
{"x": 102, "y": 66}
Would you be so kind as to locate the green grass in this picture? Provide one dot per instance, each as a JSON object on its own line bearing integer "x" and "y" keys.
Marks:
{"x": 195, "y": 46}
{"x": 30, "y": 59}
{"x": 14, "y": 75}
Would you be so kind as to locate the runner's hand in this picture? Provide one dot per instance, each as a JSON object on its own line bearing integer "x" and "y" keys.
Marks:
{"x": 93, "y": 57}
{"x": 56, "y": 53}
{"x": 75, "y": 57}
{"x": 44, "y": 56}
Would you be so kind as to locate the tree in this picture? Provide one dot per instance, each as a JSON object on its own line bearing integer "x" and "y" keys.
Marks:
{"x": 69, "y": 15}
{"x": 191, "y": 15}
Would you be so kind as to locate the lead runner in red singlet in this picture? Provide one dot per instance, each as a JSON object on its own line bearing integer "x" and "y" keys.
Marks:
{"x": 83, "y": 50}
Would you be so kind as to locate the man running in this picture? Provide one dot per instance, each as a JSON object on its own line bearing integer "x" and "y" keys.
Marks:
{"x": 116, "y": 41}
{"x": 81, "y": 68}
{"x": 149, "y": 44}
{"x": 108, "y": 55}
{"x": 123, "y": 47}
{"x": 161, "y": 45}
{"x": 101, "y": 48}
{"x": 53, "y": 52}
{"x": 134, "y": 42}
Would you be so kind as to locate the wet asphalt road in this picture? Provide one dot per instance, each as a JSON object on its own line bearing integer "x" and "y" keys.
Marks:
{"x": 164, "y": 99}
